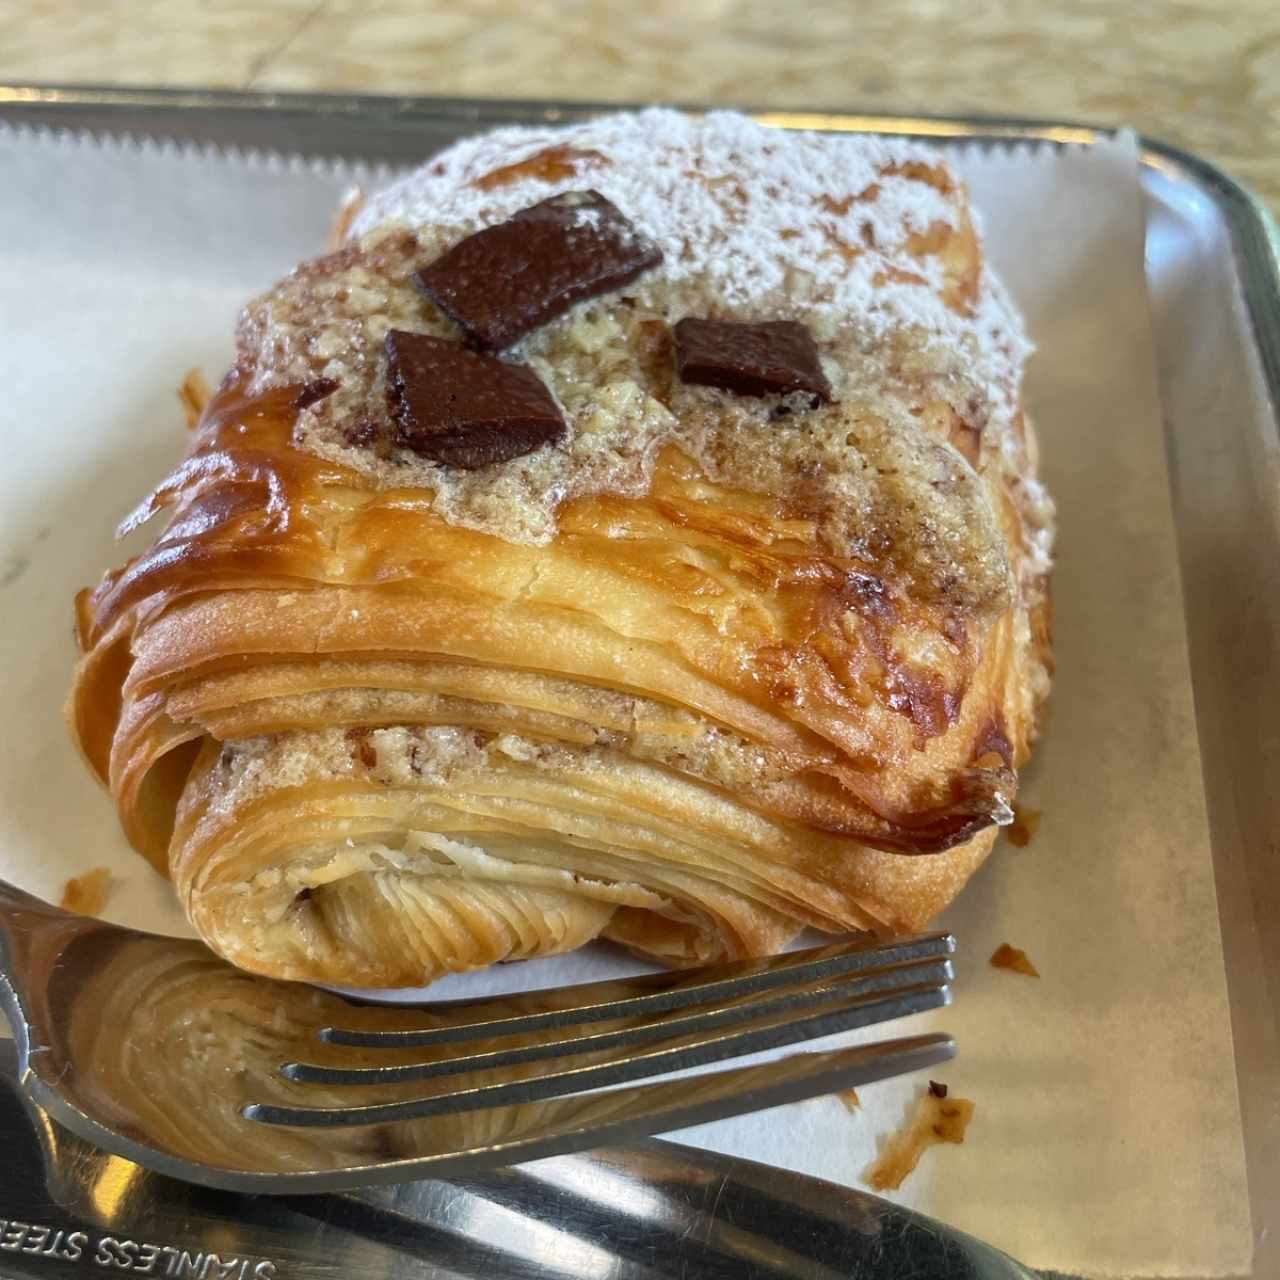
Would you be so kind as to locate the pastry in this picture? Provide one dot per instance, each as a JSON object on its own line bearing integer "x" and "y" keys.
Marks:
{"x": 630, "y": 531}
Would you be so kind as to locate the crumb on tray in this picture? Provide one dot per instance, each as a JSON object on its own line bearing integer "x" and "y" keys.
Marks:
{"x": 348, "y": 210}
{"x": 87, "y": 894}
{"x": 936, "y": 1119}
{"x": 1014, "y": 959}
{"x": 850, "y": 1099}
{"x": 1026, "y": 822}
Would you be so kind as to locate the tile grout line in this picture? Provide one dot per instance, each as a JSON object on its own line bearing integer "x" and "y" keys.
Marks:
{"x": 259, "y": 64}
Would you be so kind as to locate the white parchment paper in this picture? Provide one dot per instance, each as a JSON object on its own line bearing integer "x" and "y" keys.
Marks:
{"x": 1106, "y": 1139}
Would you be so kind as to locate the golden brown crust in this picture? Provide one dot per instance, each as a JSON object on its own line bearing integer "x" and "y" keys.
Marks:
{"x": 373, "y": 744}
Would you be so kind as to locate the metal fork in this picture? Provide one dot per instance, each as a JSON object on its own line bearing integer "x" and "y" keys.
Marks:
{"x": 156, "y": 1050}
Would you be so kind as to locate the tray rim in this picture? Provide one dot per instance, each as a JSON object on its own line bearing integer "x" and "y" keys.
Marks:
{"x": 1254, "y": 232}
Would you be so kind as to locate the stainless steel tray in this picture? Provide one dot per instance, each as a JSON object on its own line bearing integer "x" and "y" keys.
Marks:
{"x": 1213, "y": 270}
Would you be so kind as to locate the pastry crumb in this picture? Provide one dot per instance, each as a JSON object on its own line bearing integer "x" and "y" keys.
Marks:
{"x": 1021, "y": 831}
{"x": 1014, "y": 959}
{"x": 86, "y": 894}
{"x": 353, "y": 200}
{"x": 936, "y": 1119}
{"x": 193, "y": 394}
{"x": 850, "y": 1099}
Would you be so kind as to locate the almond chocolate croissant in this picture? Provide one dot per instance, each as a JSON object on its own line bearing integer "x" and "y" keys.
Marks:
{"x": 630, "y": 531}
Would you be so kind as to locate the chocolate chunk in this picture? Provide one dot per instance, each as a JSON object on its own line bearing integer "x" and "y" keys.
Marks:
{"x": 313, "y": 391}
{"x": 938, "y": 1090}
{"x": 505, "y": 281}
{"x": 463, "y": 409}
{"x": 774, "y": 357}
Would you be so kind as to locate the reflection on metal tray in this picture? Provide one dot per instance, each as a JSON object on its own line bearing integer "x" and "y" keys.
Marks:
{"x": 1213, "y": 269}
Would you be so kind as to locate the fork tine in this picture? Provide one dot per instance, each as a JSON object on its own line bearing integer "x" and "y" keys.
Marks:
{"x": 784, "y": 1030}
{"x": 642, "y": 995}
{"x": 724, "y": 1013}
{"x": 563, "y": 1125}
{"x": 600, "y": 1119}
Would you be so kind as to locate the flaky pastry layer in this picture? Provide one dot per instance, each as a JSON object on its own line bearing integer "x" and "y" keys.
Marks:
{"x": 708, "y": 671}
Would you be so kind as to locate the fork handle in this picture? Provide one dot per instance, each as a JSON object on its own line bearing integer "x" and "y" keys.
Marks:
{"x": 663, "y": 1208}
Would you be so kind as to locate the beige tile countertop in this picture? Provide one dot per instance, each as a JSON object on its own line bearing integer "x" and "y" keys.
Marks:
{"x": 1200, "y": 74}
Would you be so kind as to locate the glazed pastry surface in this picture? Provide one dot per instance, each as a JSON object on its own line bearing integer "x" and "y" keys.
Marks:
{"x": 698, "y": 668}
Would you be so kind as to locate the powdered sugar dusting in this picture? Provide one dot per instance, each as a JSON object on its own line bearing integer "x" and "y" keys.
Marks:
{"x": 741, "y": 208}
{"x": 869, "y": 242}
